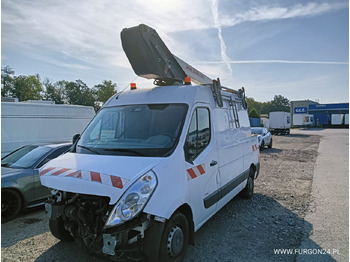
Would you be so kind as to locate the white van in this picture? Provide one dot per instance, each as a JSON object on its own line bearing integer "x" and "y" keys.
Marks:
{"x": 33, "y": 122}
{"x": 154, "y": 164}
{"x": 150, "y": 169}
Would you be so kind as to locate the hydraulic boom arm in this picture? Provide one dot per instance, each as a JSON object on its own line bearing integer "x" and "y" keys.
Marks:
{"x": 150, "y": 58}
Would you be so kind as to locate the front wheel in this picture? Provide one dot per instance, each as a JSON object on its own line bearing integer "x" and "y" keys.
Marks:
{"x": 11, "y": 204}
{"x": 58, "y": 231}
{"x": 174, "y": 239}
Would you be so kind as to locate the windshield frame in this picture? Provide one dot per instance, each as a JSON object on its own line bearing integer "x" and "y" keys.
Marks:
{"x": 82, "y": 148}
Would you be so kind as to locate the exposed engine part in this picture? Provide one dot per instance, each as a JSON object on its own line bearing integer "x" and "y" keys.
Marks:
{"x": 84, "y": 217}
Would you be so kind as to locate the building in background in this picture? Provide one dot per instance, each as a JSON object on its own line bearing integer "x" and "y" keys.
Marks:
{"x": 330, "y": 114}
{"x": 311, "y": 113}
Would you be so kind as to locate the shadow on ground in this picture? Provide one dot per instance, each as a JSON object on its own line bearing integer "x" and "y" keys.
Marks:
{"x": 271, "y": 151}
{"x": 32, "y": 220}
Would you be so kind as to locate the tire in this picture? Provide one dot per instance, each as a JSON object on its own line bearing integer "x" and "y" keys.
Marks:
{"x": 58, "y": 231}
{"x": 175, "y": 239}
{"x": 11, "y": 204}
{"x": 248, "y": 191}
{"x": 270, "y": 145}
{"x": 262, "y": 146}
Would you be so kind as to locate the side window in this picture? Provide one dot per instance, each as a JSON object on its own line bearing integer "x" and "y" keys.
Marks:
{"x": 198, "y": 136}
{"x": 53, "y": 155}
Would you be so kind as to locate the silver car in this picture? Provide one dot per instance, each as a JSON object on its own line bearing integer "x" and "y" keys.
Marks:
{"x": 20, "y": 181}
{"x": 264, "y": 137}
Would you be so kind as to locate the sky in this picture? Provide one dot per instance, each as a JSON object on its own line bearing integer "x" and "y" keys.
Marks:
{"x": 295, "y": 48}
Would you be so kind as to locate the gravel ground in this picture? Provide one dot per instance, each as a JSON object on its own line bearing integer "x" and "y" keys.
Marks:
{"x": 244, "y": 230}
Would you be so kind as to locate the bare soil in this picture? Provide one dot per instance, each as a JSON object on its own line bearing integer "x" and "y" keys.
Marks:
{"x": 244, "y": 230}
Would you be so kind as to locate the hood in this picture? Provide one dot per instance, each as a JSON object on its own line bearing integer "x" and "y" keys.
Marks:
{"x": 102, "y": 175}
{"x": 258, "y": 135}
{"x": 8, "y": 170}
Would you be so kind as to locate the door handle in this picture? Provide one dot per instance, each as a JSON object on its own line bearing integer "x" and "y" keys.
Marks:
{"x": 213, "y": 163}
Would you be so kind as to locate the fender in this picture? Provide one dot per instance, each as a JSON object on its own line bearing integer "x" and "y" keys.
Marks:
{"x": 172, "y": 190}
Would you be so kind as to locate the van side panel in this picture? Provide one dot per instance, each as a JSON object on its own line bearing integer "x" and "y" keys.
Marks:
{"x": 236, "y": 152}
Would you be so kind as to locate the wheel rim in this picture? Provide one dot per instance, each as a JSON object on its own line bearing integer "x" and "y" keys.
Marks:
{"x": 175, "y": 241}
{"x": 10, "y": 205}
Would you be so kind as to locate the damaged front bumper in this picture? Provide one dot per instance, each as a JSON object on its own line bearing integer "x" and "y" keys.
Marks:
{"x": 136, "y": 240}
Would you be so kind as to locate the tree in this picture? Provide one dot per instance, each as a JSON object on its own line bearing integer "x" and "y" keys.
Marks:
{"x": 54, "y": 92}
{"x": 7, "y": 81}
{"x": 280, "y": 103}
{"x": 251, "y": 103}
{"x": 105, "y": 90}
{"x": 27, "y": 87}
{"x": 254, "y": 114}
{"x": 78, "y": 93}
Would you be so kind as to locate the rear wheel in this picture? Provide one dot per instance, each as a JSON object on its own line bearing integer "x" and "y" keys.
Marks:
{"x": 248, "y": 191}
{"x": 262, "y": 146}
{"x": 175, "y": 239}
{"x": 270, "y": 145}
{"x": 58, "y": 231}
{"x": 11, "y": 204}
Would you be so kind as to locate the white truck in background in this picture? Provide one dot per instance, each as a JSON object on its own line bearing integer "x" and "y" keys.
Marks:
{"x": 25, "y": 123}
{"x": 279, "y": 123}
{"x": 303, "y": 120}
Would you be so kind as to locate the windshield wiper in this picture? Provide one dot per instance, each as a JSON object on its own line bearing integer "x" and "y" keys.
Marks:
{"x": 128, "y": 150}
{"x": 90, "y": 149}
{"x": 6, "y": 164}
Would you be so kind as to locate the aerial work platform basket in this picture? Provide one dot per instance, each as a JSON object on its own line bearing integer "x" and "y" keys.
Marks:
{"x": 150, "y": 58}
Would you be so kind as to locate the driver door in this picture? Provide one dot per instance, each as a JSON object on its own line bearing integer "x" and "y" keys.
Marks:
{"x": 201, "y": 165}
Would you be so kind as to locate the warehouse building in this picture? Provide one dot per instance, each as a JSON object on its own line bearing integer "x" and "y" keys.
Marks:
{"x": 308, "y": 112}
{"x": 330, "y": 114}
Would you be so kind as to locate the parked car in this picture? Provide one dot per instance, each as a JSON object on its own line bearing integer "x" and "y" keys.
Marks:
{"x": 20, "y": 180}
{"x": 264, "y": 137}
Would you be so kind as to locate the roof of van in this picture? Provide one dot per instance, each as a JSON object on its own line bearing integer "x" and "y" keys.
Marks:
{"x": 188, "y": 94}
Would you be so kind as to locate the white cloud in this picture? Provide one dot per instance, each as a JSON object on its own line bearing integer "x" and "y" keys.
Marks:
{"x": 264, "y": 13}
{"x": 273, "y": 62}
{"x": 217, "y": 25}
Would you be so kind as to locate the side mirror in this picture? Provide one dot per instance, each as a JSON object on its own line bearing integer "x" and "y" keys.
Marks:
{"x": 189, "y": 152}
{"x": 75, "y": 138}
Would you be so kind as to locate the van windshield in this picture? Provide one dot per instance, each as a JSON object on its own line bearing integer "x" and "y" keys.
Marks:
{"x": 150, "y": 130}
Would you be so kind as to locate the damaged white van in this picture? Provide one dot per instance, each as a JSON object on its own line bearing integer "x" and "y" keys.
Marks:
{"x": 152, "y": 167}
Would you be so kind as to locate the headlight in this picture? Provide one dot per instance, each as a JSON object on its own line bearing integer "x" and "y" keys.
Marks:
{"x": 133, "y": 200}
